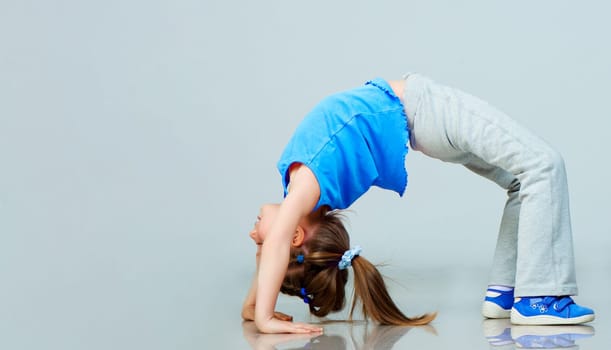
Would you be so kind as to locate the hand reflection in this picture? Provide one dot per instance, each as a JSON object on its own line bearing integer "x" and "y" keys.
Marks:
{"x": 373, "y": 337}
{"x": 502, "y": 334}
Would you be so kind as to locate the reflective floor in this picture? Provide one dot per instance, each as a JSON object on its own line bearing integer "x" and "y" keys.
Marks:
{"x": 458, "y": 326}
{"x": 496, "y": 334}
{"x": 169, "y": 310}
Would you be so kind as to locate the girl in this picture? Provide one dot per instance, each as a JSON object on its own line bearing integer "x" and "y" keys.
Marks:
{"x": 359, "y": 138}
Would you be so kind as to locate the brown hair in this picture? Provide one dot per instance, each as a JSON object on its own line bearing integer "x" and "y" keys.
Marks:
{"x": 320, "y": 282}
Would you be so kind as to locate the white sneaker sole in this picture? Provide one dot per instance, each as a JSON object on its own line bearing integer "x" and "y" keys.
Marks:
{"x": 492, "y": 310}
{"x": 517, "y": 318}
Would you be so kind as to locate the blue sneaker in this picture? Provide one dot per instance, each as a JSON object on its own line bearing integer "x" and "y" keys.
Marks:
{"x": 549, "y": 311}
{"x": 497, "y": 303}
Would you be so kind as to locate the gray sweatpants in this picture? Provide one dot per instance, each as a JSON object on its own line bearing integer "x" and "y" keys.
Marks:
{"x": 534, "y": 250}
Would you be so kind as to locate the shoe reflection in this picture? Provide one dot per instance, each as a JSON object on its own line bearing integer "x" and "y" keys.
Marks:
{"x": 498, "y": 333}
{"x": 372, "y": 337}
{"x": 501, "y": 334}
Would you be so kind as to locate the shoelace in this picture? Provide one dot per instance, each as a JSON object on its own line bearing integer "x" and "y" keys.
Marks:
{"x": 559, "y": 303}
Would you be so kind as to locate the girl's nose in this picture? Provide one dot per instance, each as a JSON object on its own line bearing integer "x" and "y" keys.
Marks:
{"x": 253, "y": 234}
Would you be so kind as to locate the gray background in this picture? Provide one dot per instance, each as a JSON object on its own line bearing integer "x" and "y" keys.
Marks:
{"x": 138, "y": 139}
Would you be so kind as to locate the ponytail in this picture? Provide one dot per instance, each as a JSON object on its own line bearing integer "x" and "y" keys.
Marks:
{"x": 316, "y": 275}
{"x": 377, "y": 304}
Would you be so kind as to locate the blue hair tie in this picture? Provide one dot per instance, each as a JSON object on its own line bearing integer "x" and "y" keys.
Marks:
{"x": 304, "y": 295}
{"x": 346, "y": 259}
{"x": 300, "y": 259}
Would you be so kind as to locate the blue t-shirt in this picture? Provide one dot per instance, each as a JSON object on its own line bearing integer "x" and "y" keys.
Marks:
{"x": 351, "y": 141}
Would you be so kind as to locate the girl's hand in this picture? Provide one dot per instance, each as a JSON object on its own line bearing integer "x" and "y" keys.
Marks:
{"x": 275, "y": 325}
{"x": 260, "y": 341}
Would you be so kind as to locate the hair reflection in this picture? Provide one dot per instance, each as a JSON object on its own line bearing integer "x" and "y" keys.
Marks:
{"x": 360, "y": 335}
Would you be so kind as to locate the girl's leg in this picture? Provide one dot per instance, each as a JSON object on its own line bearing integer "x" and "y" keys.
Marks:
{"x": 455, "y": 127}
{"x": 500, "y": 293}
{"x": 503, "y": 271}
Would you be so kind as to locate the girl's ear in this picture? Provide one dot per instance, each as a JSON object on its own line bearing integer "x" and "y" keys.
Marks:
{"x": 298, "y": 237}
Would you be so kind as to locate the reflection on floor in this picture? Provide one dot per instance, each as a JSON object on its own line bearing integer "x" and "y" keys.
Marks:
{"x": 361, "y": 336}
{"x": 453, "y": 294}
{"x": 503, "y": 335}
{"x": 500, "y": 334}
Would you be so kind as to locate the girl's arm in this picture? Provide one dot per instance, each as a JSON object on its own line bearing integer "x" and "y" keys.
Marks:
{"x": 248, "y": 308}
{"x": 299, "y": 202}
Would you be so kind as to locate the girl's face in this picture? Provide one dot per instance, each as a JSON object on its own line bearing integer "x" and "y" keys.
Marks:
{"x": 266, "y": 217}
